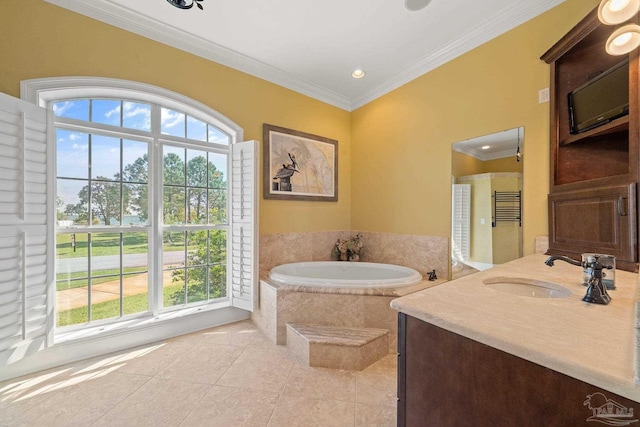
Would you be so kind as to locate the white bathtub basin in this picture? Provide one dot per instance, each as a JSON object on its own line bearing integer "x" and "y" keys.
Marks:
{"x": 336, "y": 274}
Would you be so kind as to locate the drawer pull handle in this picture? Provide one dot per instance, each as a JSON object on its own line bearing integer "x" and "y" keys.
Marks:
{"x": 621, "y": 206}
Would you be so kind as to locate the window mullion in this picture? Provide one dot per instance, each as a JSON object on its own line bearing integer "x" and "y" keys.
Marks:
{"x": 121, "y": 274}
{"x": 89, "y": 276}
{"x": 155, "y": 215}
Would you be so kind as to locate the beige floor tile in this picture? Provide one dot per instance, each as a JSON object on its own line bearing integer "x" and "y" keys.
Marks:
{"x": 388, "y": 365}
{"x": 272, "y": 356}
{"x": 298, "y": 411}
{"x": 373, "y": 389}
{"x": 151, "y": 359}
{"x": 158, "y": 403}
{"x": 225, "y": 407}
{"x": 375, "y": 416}
{"x": 172, "y": 383}
{"x": 204, "y": 364}
{"x": 81, "y": 399}
{"x": 242, "y": 333}
{"x": 321, "y": 383}
{"x": 256, "y": 376}
{"x": 259, "y": 368}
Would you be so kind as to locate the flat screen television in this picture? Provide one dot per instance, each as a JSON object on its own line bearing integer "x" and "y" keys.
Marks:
{"x": 600, "y": 100}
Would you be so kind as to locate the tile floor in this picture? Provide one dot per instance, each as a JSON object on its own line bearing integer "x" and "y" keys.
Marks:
{"x": 225, "y": 376}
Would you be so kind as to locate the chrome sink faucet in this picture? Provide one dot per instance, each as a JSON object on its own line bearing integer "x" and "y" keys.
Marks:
{"x": 596, "y": 290}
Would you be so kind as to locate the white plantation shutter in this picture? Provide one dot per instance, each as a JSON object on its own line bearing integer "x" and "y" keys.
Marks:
{"x": 26, "y": 309}
{"x": 244, "y": 230}
{"x": 460, "y": 220}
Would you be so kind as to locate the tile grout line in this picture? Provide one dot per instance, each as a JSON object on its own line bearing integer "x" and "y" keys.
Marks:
{"x": 281, "y": 394}
{"x": 215, "y": 384}
{"x": 123, "y": 399}
{"x": 197, "y": 403}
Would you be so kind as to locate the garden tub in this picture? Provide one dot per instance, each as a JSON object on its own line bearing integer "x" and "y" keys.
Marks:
{"x": 350, "y": 275}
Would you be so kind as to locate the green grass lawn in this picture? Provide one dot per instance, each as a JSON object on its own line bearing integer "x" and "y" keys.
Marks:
{"x": 109, "y": 309}
{"x": 109, "y": 244}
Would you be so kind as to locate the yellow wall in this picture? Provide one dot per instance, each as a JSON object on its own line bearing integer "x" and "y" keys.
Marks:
{"x": 481, "y": 248}
{"x": 506, "y": 235}
{"x": 401, "y": 152}
{"x": 506, "y": 164}
{"x": 42, "y": 40}
{"x": 462, "y": 165}
{"x": 393, "y": 152}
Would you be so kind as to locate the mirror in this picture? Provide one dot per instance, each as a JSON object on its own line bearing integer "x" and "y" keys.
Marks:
{"x": 486, "y": 211}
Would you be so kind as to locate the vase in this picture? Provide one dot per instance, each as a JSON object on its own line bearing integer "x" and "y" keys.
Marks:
{"x": 344, "y": 256}
{"x": 354, "y": 257}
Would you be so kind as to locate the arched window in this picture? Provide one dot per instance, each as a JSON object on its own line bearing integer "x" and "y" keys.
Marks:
{"x": 144, "y": 201}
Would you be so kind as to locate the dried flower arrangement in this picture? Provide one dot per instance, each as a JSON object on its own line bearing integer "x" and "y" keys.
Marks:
{"x": 348, "y": 249}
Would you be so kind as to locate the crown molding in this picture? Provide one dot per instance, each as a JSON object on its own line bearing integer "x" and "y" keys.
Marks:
{"x": 123, "y": 18}
{"x": 487, "y": 155}
{"x": 515, "y": 15}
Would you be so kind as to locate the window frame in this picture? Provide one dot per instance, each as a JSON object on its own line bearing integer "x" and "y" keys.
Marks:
{"x": 45, "y": 91}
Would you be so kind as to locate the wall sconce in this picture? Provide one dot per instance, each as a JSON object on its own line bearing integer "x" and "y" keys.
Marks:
{"x": 626, "y": 38}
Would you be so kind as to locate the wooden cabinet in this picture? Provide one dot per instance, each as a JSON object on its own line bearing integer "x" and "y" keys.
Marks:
{"x": 609, "y": 225}
{"x": 594, "y": 174}
{"x": 447, "y": 380}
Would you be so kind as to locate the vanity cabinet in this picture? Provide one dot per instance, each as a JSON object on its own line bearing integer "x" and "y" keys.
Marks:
{"x": 447, "y": 380}
{"x": 610, "y": 224}
{"x": 594, "y": 174}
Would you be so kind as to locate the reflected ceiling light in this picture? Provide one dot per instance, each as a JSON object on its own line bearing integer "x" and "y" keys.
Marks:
{"x": 415, "y": 5}
{"x": 358, "y": 74}
{"x": 485, "y": 147}
{"x": 623, "y": 40}
{"x": 613, "y": 12}
{"x": 188, "y": 4}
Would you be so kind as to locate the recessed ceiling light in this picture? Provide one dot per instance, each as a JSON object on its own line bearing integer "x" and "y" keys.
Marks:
{"x": 358, "y": 74}
{"x": 614, "y": 12}
{"x": 486, "y": 147}
{"x": 415, "y": 5}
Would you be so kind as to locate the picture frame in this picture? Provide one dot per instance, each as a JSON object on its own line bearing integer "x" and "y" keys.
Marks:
{"x": 299, "y": 165}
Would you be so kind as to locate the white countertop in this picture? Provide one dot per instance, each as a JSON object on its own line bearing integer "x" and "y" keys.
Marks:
{"x": 590, "y": 342}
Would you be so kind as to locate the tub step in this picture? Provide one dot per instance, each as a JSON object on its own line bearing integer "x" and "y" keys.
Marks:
{"x": 337, "y": 347}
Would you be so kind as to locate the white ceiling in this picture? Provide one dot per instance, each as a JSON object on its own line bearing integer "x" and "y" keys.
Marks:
{"x": 499, "y": 145}
{"x": 312, "y": 46}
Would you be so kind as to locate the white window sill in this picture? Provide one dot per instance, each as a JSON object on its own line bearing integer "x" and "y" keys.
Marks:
{"x": 129, "y": 325}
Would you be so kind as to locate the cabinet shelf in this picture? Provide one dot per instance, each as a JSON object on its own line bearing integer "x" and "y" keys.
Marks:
{"x": 614, "y": 126}
{"x": 594, "y": 174}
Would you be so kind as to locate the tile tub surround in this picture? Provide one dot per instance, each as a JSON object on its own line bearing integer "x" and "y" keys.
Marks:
{"x": 337, "y": 347}
{"x": 279, "y": 304}
{"x": 422, "y": 253}
{"x": 592, "y": 343}
{"x": 360, "y": 308}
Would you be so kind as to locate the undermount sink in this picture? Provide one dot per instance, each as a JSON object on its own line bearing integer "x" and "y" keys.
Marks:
{"x": 527, "y": 287}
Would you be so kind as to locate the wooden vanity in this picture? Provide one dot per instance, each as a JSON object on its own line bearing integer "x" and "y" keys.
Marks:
{"x": 473, "y": 355}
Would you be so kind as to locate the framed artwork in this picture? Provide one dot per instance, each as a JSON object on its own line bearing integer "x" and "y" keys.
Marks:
{"x": 299, "y": 166}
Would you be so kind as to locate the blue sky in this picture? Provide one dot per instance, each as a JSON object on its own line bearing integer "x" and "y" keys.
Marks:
{"x": 73, "y": 147}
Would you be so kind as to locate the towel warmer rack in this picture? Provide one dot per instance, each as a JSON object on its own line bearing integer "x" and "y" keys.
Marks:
{"x": 507, "y": 206}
